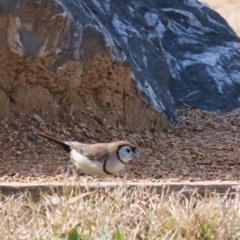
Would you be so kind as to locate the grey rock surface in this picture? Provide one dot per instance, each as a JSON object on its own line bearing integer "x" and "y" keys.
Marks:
{"x": 180, "y": 51}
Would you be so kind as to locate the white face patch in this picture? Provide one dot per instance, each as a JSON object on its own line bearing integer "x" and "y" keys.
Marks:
{"x": 125, "y": 153}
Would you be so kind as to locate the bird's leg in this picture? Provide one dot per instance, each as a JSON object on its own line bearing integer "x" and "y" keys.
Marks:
{"x": 71, "y": 166}
{"x": 68, "y": 168}
{"x": 74, "y": 171}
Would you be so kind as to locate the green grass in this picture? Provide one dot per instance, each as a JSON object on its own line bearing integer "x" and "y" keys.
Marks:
{"x": 120, "y": 214}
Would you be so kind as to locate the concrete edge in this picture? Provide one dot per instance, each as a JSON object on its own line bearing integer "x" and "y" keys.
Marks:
{"x": 35, "y": 189}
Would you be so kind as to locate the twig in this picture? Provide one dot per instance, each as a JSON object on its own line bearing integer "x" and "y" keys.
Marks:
{"x": 219, "y": 163}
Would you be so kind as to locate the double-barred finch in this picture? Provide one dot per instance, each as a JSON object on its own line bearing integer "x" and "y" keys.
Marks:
{"x": 102, "y": 159}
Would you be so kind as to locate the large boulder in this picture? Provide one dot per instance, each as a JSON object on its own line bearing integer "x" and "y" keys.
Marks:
{"x": 103, "y": 57}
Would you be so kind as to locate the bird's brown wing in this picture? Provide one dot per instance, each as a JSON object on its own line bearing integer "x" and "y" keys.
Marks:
{"x": 95, "y": 152}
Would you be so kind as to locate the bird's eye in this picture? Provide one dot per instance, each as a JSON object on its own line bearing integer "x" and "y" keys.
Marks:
{"x": 128, "y": 150}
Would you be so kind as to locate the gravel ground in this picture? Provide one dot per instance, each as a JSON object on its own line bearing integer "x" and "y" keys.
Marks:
{"x": 202, "y": 146}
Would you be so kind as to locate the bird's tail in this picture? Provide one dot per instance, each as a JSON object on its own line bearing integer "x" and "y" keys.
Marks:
{"x": 52, "y": 139}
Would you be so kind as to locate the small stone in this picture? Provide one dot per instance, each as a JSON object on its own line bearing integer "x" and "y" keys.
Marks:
{"x": 158, "y": 176}
{"x": 99, "y": 179}
{"x": 191, "y": 180}
{"x": 37, "y": 118}
{"x": 32, "y": 137}
{"x": 229, "y": 176}
{"x": 11, "y": 174}
{"x": 132, "y": 135}
{"x": 174, "y": 180}
{"x": 82, "y": 125}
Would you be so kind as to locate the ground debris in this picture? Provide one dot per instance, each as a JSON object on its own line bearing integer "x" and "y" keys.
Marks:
{"x": 180, "y": 153}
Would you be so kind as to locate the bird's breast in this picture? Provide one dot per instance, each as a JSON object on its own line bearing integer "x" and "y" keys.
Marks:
{"x": 87, "y": 165}
{"x": 113, "y": 165}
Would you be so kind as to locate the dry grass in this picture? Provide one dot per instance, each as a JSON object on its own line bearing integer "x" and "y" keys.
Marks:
{"x": 120, "y": 214}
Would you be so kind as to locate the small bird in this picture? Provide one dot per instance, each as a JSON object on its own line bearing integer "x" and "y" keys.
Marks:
{"x": 102, "y": 159}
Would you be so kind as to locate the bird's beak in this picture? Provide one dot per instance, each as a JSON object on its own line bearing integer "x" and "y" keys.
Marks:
{"x": 136, "y": 155}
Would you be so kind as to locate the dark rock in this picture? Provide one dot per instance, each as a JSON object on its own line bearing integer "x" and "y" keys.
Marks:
{"x": 37, "y": 118}
{"x": 158, "y": 176}
{"x": 32, "y": 137}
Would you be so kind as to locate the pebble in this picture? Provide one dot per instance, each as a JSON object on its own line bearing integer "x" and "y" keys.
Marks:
{"x": 191, "y": 180}
{"x": 37, "y": 118}
{"x": 32, "y": 137}
{"x": 229, "y": 176}
{"x": 158, "y": 176}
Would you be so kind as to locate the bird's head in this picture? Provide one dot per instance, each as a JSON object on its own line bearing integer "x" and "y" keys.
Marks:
{"x": 127, "y": 152}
